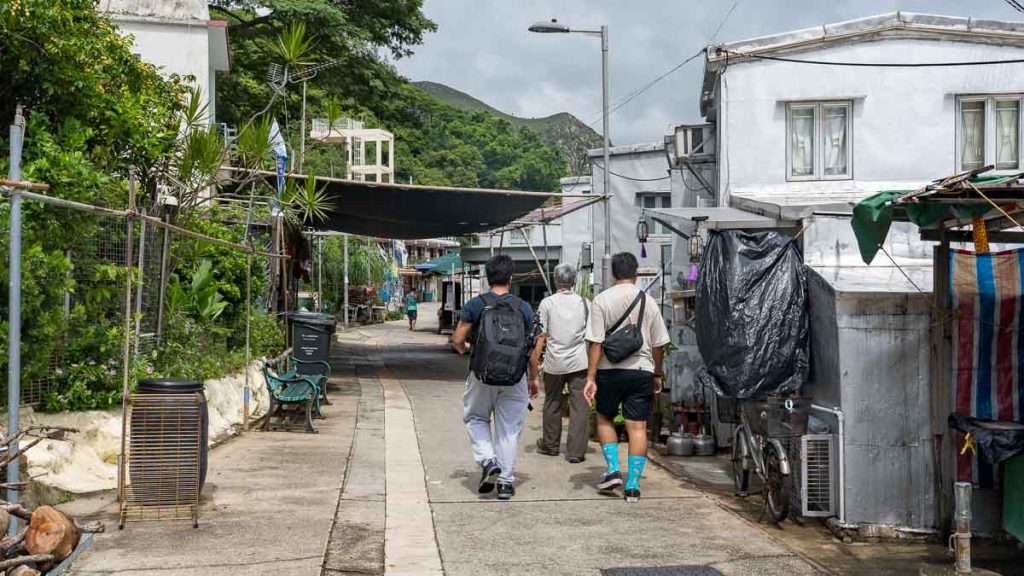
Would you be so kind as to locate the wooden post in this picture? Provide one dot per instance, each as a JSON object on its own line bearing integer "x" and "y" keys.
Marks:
{"x": 127, "y": 327}
{"x": 941, "y": 389}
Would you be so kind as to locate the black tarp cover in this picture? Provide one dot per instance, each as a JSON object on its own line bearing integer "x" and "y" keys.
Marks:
{"x": 408, "y": 212}
{"x": 752, "y": 324}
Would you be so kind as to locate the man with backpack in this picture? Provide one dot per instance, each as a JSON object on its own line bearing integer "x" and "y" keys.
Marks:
{"x": 498, "y": 324}
{"x": 563, "y": 320}
{"x": 627, "y": 336}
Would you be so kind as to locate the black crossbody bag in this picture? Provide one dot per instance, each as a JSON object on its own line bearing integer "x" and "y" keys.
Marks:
{"x": 622, "y": 344}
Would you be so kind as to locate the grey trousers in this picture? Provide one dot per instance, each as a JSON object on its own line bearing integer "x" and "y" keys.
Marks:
{"x": 508, "y": 405}
{"x": 579, "y": 413}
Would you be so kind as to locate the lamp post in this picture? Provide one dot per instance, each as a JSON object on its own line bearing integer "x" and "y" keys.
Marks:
{"x": 556, "y": 27}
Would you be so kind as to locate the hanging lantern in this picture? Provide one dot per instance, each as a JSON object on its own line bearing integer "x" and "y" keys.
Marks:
{"x": 642, "y": 230}
{"x": 641, "y": 235}
{"x": 696, "y": 248}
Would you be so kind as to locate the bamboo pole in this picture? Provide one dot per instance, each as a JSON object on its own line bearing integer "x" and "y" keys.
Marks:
{"x": 127, "y": 327}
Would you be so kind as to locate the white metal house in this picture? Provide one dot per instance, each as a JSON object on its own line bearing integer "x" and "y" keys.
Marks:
{"x": 806, "y": 125}
{"x": 178, "y": 36}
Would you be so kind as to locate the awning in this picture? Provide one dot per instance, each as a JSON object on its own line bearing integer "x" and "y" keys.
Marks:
{"x": 548, "y": 214}
{"x": 405, "y": 211}
{"x": 443, "y": 265}
{"x": 683, "y": 221}
{"x": 945, "y": 204}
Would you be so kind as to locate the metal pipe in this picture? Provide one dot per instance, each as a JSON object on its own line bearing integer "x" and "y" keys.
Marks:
{"x": 17, "y": 138}
{"x": 841, "y": 425}
{"x": 138, "y": 289}
{"x": 536, "y": 260}
{"x": 345, "y": 282}
{"x": 547, "y": 260}
{"x": 962, "y": 546}
{"x": 606, "y": 260}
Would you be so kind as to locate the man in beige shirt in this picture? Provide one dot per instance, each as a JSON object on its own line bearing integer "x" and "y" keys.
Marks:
{"x": 633, "y": 381}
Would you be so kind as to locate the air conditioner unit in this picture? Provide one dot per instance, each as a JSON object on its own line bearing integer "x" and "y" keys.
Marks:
{"x": 817, "y": 475}
{"x": 691, "y": 141}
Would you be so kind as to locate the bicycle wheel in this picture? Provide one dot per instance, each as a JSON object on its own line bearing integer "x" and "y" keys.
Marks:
{"x": 776, "y": 484}
{"x": 740, "y": 462}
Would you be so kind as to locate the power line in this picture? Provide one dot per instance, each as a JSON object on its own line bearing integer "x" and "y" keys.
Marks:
{"x": 1016, "y": 5}
{"x": 873, "y": 64}
{"x": 636, "y": 93}
{"x": 634, "y": 179}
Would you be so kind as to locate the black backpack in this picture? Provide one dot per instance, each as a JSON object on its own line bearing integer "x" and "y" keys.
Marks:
{"x": 499, "y": 352}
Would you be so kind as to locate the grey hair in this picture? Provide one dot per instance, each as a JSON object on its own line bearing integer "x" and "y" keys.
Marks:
{"x": 565, "y": 275}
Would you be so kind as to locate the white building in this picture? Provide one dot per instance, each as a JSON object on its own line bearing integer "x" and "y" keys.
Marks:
{"x": 799, "y": 143}
{"x": 178, "y": 36}
{"x": 369, "y": 152}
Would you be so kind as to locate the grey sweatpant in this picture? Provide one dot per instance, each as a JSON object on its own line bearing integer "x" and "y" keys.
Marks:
{"x": 508, "y": 406}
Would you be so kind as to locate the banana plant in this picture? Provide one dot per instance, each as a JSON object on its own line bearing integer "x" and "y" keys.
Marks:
{"x": 201, "y": 300}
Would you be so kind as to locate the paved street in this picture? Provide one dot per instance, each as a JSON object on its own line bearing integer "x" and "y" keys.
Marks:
{"x": 387, "y": 487}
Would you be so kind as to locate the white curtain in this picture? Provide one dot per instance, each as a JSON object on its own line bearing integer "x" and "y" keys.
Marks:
{"x": 1007, "y": 134}
{"x": 836, "y": 158}
{"x": 801, "y": 144}
{"x": 972, "y": 138}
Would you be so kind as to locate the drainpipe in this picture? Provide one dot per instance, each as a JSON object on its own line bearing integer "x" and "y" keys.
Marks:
{"x": 841, "y": 425}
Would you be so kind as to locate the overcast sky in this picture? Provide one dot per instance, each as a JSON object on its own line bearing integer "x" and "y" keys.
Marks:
{"x": 482, "y": 47}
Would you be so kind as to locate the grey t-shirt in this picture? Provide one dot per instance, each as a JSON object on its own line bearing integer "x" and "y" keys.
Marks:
{"x": 608, "y": 307}
{"x": 564, "y": 321}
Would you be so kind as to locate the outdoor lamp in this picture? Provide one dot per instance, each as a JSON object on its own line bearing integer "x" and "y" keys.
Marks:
{"x": 553, "y": 27}
{"x": 642, "y": 230}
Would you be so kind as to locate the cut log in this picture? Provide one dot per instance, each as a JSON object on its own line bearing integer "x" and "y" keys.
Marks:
{"x": 51, "y": 532}
{"x": 5, "y": 521}
{"x": 10, "y": 542}
{"x": 23, "y": 570}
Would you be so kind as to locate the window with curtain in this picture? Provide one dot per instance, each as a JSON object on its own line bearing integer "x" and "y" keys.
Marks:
{"x": 801, "y": 141}
{"x": 819, "y": 141}
{"x": 1007, "y": 134}
{"x": 972, "y": 134}
{"x": 989, "y": 130}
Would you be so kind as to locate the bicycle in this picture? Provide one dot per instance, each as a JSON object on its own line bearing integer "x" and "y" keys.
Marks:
{"x": 756, "y": 447}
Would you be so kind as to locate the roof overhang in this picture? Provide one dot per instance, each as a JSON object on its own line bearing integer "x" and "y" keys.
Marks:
{"x": 477, "y": 255}
{"x": 685, "y": 221}
{"x": 883, "y": 26}
{"x": 408, "y": 212}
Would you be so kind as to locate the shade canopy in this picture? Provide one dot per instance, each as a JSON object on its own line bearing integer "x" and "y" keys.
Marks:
{"x": 410, "y": 212}
{"x": 443, "y": 265}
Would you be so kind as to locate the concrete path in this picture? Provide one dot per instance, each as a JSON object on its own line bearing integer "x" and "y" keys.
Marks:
{"x": 388, "y": 487}
{"x": 267, "y": 508}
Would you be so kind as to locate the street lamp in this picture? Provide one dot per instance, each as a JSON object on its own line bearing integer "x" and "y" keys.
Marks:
{"x": 556, "y": 27}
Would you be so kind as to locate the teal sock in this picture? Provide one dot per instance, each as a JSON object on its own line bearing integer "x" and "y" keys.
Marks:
{"x": 636, "y": 469}
{"x": 611, "y": 456}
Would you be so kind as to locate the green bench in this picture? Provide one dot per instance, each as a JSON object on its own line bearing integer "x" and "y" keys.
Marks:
{"x": 320, "y": 371}
{"x": 290, "y": 393}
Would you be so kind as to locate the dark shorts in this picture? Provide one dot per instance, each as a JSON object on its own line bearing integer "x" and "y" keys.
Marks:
{"x": 634, "y": 389}
{"x": 411, "y": 314}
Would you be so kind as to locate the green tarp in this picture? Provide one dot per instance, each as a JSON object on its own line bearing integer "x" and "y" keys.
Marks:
{"x": 446, "y": 265}
{"x": 873, "y": 216}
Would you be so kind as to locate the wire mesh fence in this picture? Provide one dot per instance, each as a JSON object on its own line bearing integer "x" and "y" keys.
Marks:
{"x": 75, "y": 273}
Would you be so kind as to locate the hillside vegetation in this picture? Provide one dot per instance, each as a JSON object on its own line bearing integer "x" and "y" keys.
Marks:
{"x": 562, "y": 130}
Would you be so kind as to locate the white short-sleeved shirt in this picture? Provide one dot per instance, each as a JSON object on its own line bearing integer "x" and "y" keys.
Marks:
{"x": 608, "y": 308}
{"x": 564, "y": 320}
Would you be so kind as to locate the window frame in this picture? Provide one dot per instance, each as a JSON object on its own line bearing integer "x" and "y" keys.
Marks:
{"x": 990, "y": 142}
{"x": 818, "y": 171}
{"x": 654, "y": 228}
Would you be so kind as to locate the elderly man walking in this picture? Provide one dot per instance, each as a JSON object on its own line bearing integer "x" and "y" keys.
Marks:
{"x": 562, "y": 343}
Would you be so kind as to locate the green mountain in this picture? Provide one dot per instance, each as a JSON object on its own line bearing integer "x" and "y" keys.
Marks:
{"x": 563, "y": 130}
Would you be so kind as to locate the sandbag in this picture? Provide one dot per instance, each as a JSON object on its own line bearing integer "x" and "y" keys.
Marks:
{"x": 751, "y": 322}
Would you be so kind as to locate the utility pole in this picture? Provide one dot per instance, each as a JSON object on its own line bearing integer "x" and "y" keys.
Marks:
{"x": 17, "y": 139}
{"x": 606, "y": 260}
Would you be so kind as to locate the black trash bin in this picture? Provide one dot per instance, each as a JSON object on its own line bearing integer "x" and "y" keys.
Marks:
{"x": 173, "y": 386}
{"x": 311, "y": 336}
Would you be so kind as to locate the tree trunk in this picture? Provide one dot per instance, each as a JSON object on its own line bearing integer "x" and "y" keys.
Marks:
{"x": 51, "y": 532}
{"x": 23, "y": 570}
